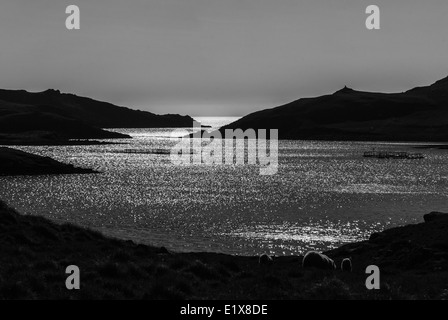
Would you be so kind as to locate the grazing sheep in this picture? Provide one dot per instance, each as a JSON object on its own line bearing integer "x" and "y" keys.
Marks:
{"x": 346, "y": 265}
{"x": 317, "y": 260}
{"x": 265, "y": 259}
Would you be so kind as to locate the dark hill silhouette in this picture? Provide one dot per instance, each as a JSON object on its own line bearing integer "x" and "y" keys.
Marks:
{"x": 73, "y": 117}
{"x": 420, "y": 114}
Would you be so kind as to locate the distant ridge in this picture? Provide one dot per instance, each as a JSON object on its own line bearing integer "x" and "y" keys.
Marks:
{"x": 419, "y": 114}
{"x": 73, "y": 117}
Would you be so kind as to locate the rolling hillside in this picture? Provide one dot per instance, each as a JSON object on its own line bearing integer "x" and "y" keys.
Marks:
{"x": 420, "y": 114}
{"x": 72, "y": 117}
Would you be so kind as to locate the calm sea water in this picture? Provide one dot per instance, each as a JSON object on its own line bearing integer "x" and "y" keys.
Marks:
{"x": 324, "y": 194}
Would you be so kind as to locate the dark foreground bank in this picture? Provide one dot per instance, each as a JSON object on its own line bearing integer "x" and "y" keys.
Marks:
{"x": 35, "y": 253}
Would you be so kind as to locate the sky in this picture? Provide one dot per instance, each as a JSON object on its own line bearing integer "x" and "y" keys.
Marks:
{"x": 220, "y": 57}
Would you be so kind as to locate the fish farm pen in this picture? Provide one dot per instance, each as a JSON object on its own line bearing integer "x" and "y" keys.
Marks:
{"x": 393, "y": 155}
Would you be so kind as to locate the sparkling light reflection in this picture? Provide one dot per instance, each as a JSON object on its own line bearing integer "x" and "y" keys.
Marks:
{"x": 324, "y": 194}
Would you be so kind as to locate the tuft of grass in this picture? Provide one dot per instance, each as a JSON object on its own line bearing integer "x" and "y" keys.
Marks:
{"x": 136, "y": 271}
{"x": 330, "y": 289}
{"x": 231, "y": 265}
{"x": 161, "y": 270}
{"x": 13, "y": 290}
{"x": 178, "y": 264}
{"x": 46, "y": 232}
{"x": 121, "y": 256}
{"x": 272, "y": 280}
{"x": 443, "y": 295}
{"x": 159, "y": 291}
{"x": 42, "y": 265}
{"x": 111, "y": 270}
{"x": 202, "y": 270}
{"x": 295, "y": 274}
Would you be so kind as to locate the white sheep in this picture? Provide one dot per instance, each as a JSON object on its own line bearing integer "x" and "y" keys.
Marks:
{"x": 313, "y": 259}
{"x": 265, "y": 259}
{"x": 346, "y": 265}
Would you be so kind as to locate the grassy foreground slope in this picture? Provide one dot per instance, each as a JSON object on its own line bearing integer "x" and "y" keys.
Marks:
{"x": 36, "y": 251}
